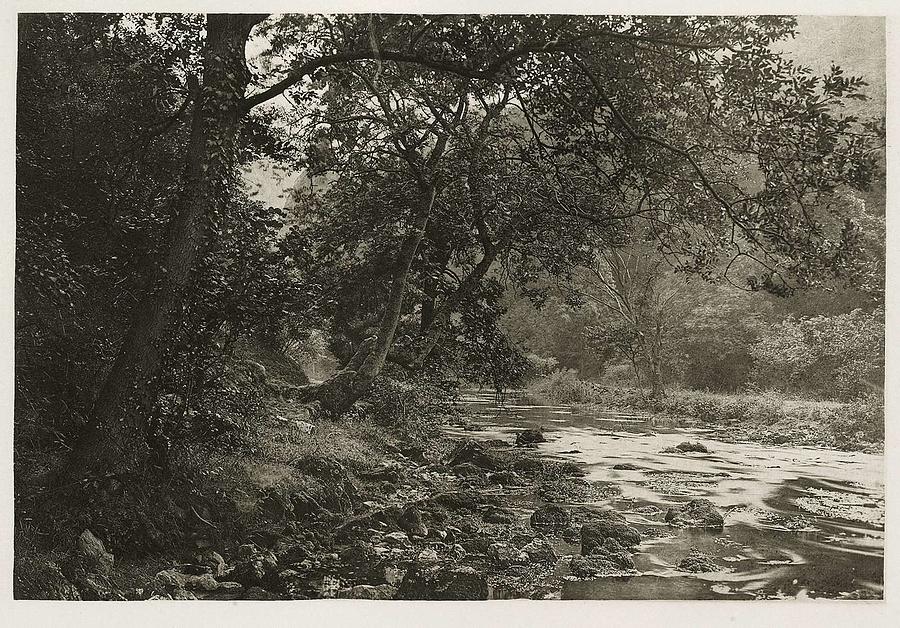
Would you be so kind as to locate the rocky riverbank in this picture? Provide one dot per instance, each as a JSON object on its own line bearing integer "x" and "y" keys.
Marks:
{"x": 465, "y": 519}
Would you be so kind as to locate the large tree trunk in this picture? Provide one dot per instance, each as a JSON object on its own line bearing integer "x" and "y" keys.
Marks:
{"x": 114, "y": 440}
{"x": 341, "y": 391}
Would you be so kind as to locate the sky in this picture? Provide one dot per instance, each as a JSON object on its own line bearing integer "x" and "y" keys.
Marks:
{"x": 857, "y": 44}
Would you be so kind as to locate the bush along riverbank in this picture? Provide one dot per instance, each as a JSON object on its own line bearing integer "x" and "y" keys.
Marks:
{"x": 766, "y": 417}
{"x": 348, "y": 509}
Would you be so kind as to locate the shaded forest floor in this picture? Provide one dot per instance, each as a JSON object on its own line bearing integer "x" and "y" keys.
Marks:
{"x": 346, "y": 509}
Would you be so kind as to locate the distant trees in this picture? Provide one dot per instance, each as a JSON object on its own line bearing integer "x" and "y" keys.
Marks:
{"x": 831, "y": 356}
{"x": 639, "y": 309}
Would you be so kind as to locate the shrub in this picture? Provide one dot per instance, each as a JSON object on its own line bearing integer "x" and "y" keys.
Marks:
{"x": 857, "y": 423}
{"x": 414, "y": 408}
{"x": 839, "y": 356}
{"x": 563, "y": 386}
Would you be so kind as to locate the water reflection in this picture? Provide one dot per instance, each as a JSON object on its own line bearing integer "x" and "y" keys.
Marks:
{"x": 800, "y": 522}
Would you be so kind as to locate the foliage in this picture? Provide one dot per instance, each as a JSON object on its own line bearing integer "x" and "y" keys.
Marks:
{"x": 840, "y": 355}
{"x": 414, "y": 408}
{"x": 562, "y": 386}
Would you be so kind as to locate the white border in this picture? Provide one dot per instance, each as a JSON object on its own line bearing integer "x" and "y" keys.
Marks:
{"x": 455, "y": 614}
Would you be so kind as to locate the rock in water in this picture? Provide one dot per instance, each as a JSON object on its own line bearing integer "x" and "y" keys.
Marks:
{"x": 93, "y": 554}
{"x": 440, "y": 582}
{"x": 602, "y": 564}
{"x": 471, "y": 451}
{"x": 530, "y": 437}
{"x": 626, "y": 466}
{"x": 686, "y": 447}
{"x": 550, "y": 516}
{"x": 697, "y": 562}
{"x": 697, "y": 513}
{"x": 607, "y": 525}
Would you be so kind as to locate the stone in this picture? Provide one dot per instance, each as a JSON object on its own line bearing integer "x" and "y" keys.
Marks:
{"x": 427, "y": 555}
{"x": 258, "y": 593}
{"x": 550, "y": 516}
{"x": 539, "y": 551}
{"x": 697, "y": 562}
{"x": 230, "y": 587}
{"x": 367, "y": 592}
{"x": 93, "y": 554}
{"x": 493, "y": 514}
{"x": 607, "y": 525}
{"x": 213, "y": 561}
{"x": 441, "y": 582}
{"x": 170, "y": 579}
{"x": 697, "y": 513}
{"x": 504, "y": 555}
{"x": 471, "y": 451}
{"x": 206, "y": 582}
{"x": 571, "y": 534}
{"x": 182, "y": 594}
{"x": 505, "y": 478}
{"x": 687, "y": 447}
{"x": 467, "y": 469}
{"x": 410, "y": 521}
{"x": 599, "y": 565}
{"x": 461, "y": 500}
{"x": 530, "y": 437}
{"x": 626, "y": 466}
{"x": 397, "y": 539}
{"x": 528, "y": 466}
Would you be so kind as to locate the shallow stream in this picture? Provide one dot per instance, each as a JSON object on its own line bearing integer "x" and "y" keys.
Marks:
{"x": 799, "y": 522}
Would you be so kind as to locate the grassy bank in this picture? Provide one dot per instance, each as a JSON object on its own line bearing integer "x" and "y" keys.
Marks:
{"x": 767, "y": 417}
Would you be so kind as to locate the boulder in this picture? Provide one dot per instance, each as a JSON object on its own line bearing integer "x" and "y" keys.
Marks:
{"x": 504, "y": 555}
{"x": 170, "y": 579}
{"x": 459, "y": 500}
{"x": 687, "y": 447}
{"x": 528, "y": 466}
{"x": 467, "y": 469}
{"x": 212, "y": 561}
{"x": 505, "y": 478}
{"x": 367, "y": 592}
{"x": 697, "y": 513}
{"x": 550, "y": 516}
{"x": 206, "y": 582}
{"x": 625, "y": 466}
{"x": 530, "y": 437}
{"x": 601, "y": 564}
{"x": 93, "y": 555}
{"x": 493, "y": 514}
{"x": 410, "y": 521}
{"x": 397, "y": 539}
{"x": 607, "y": 525}
{"x": 472, "y": 452}
{"x": 426, "y": 581}
{"x": 539, "y": 551}
{"x": 697, "y": 562}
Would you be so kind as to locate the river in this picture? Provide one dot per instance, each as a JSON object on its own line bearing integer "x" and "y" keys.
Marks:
{"x": 800, "y": 522}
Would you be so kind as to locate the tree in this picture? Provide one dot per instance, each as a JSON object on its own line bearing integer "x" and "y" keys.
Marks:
{"x": 631, "y": 288}
{"x": 732, "y": 159}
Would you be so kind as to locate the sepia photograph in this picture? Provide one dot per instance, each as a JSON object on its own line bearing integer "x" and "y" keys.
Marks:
{"x": 462, "y": 307}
